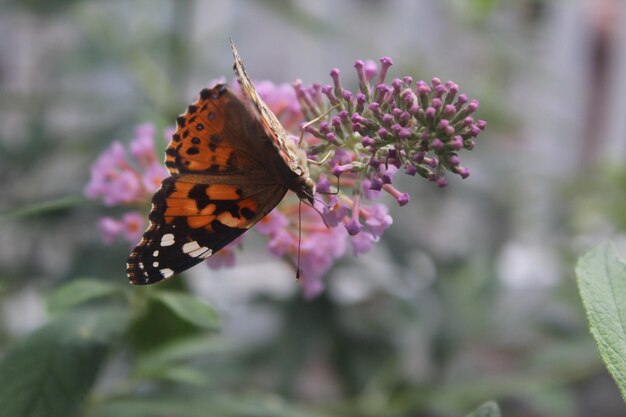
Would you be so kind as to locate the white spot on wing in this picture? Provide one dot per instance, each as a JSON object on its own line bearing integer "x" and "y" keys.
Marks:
{"x": 190, "y": 247}
{"x": 199, "y": 252}
{"x": 166, "y": 272}
{"x": 167, "y": 239}
{"x": 155, "y": 264}
{"x": 206, "y": 254}
{"x": 155, "y": 253}
{"x": 194, "y": 250}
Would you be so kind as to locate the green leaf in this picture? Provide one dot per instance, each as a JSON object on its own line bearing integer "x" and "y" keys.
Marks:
{"x": 45, "y": 207}
{"x": 180, "y": 350}
{"x": 189, "y": 308}
{"x": 50, "y": 372}
{"x": 199, "y": 406}
{"x": 488, "y": 409}
{"x": 79, "y": 292}
{"x": 602, "y": 285}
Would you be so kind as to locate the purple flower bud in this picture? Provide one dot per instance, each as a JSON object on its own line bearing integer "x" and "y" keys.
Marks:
{"x": 469, "y": 144}
{"x": 474, "y": 131}
{"x": 437, "y": 144}
{"x": 347, "y": 95}
{"x": 324, "y": 128}
{"x": 388, "y": 119}
{"x": 481, "y": 124}
{"x": 381, "y": 91}
{"x": 312, "y": 130}
{"x": 457, "y": 143}
{"x": 340, "y": 169}
{"x": 461, "y": 101}
{"x": 354, "y": 227}
{"x": 374, "y": 107}
{"x": 334, "y": 74}
{"x": 356, "y": 128}
{"x": 468, "y": 121}
{"x": 385, "y": 62}
{"x": 435, "y": 81}
{"x": 396, "y": 112}
{"x": 371, "y": 68}
{"x": 331, "y": 137}
{"x": 395, "y": 128}
{"x": 367, "y": 141}
{"x": 374, "y": 162}
{"x": 454, "y": 160}
{"x": 422, "y": 89}
{"x": 336, "y": 121}
{"x": 442, "y": 182}
{"x": 449, "y": 110}
{"x": 410, "y": 169}
{"x": 403, "y": 199}
{"x": 408, "y": 81}
{"x": 436, "y": 103}
{"x": 376, "y": 184}
{"x": 431, "y": 112}
{"x": 360, "y": 102}
{"x": 432, "y": 162}
{"x": 408, "y": 97}
{"x": 443, "y": 124}
{"x": 404, "y": 118}
{"x": 328, "y": 91}
{"x": 323, "y": 185}
{"x": 382, "y": 132}
{"x": 397, "y": 84}
{"x": 472, "y": 106}
{"x": 462, "y": 171}
{"x": 418, "y": 157}
{"x": 452, "y": 87}
{"x": 343, "y": 115}
{"x": 360, "y": 65}
{"x": 440, "y": 90}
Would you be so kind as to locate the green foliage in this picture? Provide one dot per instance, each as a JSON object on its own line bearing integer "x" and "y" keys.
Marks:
{"x": 602, "y": 285}
{"x": 50, "y": 372}
{"x": 489, "y": 409}
{"x": 190, "y": 309}
{"x": 78, "y": 292}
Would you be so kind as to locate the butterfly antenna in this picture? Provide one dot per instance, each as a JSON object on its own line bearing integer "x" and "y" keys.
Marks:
{"x": 299, "y": 238}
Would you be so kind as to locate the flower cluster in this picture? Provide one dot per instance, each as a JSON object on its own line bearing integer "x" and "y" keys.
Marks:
{"x": 412, "y": 126}
{"x": 356, "y": 142}
{"x": 120, "y": 180}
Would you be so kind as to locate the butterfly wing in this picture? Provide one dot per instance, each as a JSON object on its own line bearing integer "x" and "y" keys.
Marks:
{"x": 291, "y": 155}
{"x": 224, "y": 180}
{"x": 193, "y": 217}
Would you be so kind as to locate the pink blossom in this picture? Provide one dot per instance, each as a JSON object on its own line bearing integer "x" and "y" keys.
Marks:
{"x": 362, "y": 242}
{"x": 110, "y": 229}
{"x": 133, "y": 226}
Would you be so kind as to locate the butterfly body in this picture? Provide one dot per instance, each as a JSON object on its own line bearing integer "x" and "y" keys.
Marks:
{"x": 231, "y": 163}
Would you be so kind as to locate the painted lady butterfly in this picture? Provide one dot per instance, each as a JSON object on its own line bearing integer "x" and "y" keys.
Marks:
{"x": 231, "y": 163}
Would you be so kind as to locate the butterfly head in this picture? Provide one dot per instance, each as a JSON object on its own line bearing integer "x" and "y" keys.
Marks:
{"x": 304, "y": 187}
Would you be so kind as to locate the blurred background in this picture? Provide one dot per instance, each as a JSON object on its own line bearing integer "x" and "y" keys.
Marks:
{"x": 469, "y": 296}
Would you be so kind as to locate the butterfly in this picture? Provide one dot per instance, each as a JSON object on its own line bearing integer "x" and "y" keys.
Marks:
{"x": 230, "y": 163}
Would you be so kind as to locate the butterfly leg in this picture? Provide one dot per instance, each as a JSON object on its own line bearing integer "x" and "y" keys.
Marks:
{"x": 312, "y": 122}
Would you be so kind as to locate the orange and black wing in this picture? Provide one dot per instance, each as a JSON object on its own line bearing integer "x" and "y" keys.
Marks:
{"x": 223, "y": 182}
{"x": 191, "y": 220}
